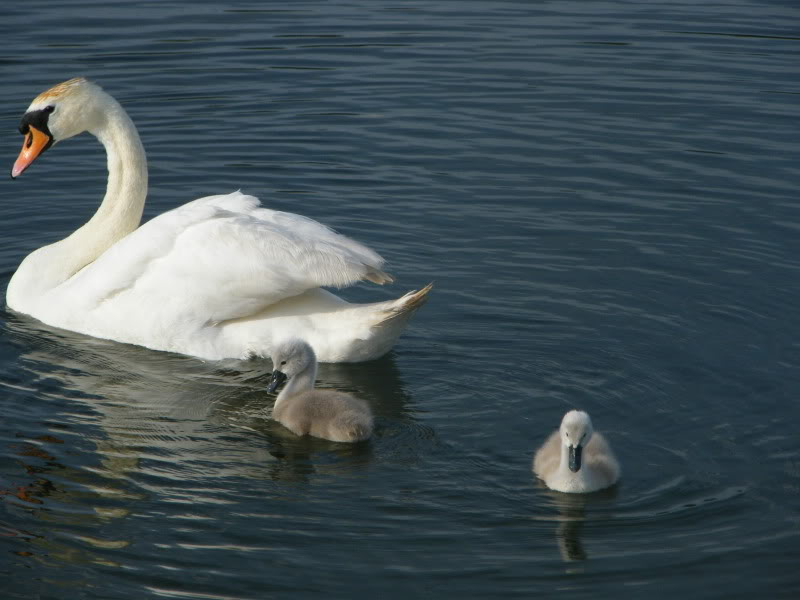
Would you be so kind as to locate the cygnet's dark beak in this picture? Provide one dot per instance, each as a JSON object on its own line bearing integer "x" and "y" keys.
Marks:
{"x": 575, "y": 458}
{"x": 277, "y": 381}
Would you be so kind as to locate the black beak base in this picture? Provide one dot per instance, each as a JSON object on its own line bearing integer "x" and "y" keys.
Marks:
{"x": 278, "y": 379}
{"x": 575, "y": 458}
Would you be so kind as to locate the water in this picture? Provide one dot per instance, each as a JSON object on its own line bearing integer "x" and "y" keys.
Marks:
{"x": 605, "y": 196}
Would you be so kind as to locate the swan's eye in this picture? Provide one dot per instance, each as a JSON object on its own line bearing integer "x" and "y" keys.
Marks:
{"x": 49, "y": 109}
{"x": 283, "y": 362}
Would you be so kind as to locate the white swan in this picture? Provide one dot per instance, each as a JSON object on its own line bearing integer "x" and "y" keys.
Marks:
{"x": 326, "y": 414}
{"x": 575, "y": 459}
{"x": 216, "y": 278}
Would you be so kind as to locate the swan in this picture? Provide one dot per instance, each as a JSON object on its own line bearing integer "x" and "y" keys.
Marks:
{"x": 219, "y": 277}
{"x": 576, "y": 459}
{"x": 326, "y": 414}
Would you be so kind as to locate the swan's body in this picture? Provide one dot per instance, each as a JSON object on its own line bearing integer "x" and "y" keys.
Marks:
{"x": 219, "y": 277}
{"x": 326, "y": 414}
{"x": 575, "y": 458}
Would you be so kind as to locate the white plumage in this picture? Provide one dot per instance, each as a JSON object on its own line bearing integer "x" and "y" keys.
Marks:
{"x": 219, "y": 277}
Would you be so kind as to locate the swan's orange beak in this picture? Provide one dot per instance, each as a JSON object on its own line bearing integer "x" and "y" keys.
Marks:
{"x": 34, "y": 144}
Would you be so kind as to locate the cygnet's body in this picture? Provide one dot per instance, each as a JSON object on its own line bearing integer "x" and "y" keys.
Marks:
{"x": 575, "y": 459}
{"x": 326, "y": 414}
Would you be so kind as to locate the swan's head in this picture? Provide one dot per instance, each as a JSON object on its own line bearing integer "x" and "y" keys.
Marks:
{"x": 61, "y": 112}
{"x": 288, "y": 359}
{"x": 576, "y": 431}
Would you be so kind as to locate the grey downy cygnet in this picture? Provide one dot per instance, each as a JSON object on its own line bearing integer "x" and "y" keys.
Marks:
{"x": 326, "y": 414}
{"x": 576, "y": 459}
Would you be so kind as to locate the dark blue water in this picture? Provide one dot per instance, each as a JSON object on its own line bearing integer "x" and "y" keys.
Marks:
{"x": 605, "y": 194}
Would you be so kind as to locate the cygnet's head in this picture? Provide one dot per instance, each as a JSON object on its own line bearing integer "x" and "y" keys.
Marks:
{"x": 61, "y": 112}
{"x": 288, "y": 359}
{"x": 576, "y": 431}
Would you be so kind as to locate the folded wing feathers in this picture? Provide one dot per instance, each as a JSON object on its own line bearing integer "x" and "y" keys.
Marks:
{"x": 301, "y": 249}
{"x": 235, "y": 256}
{"x": 326, "y": 257}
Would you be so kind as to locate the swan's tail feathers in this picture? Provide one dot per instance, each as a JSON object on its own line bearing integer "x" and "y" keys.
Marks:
{"x": 351, "y": 426}
{"x": 359, "y": 432}
{"x": 377, "y": 276}
{"x": 406, "y": 306}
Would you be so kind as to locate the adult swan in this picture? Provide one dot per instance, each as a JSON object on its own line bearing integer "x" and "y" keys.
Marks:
{"x": 216, "y": 278}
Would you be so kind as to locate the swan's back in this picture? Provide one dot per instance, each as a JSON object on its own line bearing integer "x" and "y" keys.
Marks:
{"x": 327, "y": 414}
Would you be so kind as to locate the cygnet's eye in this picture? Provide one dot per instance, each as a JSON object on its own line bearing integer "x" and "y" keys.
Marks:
{"x": 283, "y": 362}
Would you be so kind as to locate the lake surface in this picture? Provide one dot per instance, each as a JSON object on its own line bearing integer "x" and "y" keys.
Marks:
{"x": 605, "y": 195}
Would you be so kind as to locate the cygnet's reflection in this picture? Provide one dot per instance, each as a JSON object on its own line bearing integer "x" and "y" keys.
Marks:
{"x": 572, "y": 514}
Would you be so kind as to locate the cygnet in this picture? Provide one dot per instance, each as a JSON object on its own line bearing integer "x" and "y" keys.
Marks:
{"x": 576, "y": 459}
{"x": 326, "y": 414}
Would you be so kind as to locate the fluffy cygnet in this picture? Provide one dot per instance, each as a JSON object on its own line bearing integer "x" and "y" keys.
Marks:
{"x": 575, "y": 459}
{"x": 326, "y": 414}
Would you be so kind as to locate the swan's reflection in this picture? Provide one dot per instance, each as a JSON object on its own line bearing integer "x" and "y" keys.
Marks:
{"x": 115, "y": 427}
{"x": 174, "y": 418}
{"x": 568, "y": 532}
{"x": 572, "y": 509}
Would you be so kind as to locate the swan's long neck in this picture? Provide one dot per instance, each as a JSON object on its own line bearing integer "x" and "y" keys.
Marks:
{"x": 121, "y": 209}
{"x": 118, "y": 214}
{"x": 302, "y": 382}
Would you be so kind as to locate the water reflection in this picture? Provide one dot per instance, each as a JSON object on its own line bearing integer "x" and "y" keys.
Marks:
{"x": 120, "y": 424}
{"x": 568, "y": 532}
{"x": 573, "y": 512}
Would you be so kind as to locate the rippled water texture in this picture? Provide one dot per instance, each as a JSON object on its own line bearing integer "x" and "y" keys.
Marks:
{"x": 605, "y": 195}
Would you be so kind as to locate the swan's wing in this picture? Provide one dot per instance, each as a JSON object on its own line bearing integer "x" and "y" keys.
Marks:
{"x": 224, "y": 257}
{"x": 600, "y": 455}
{"x": 598, "y": 446}
{"x": 548, "y": 456}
